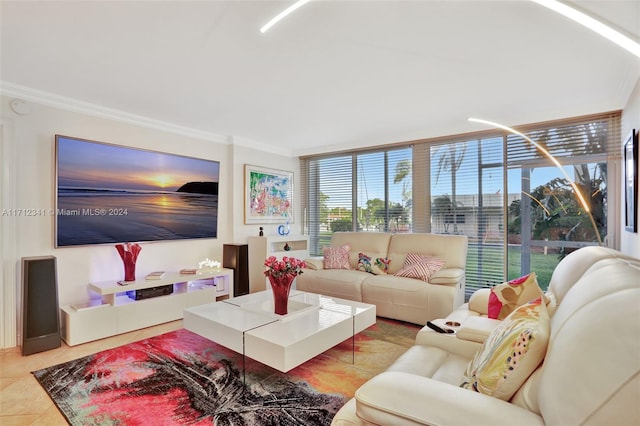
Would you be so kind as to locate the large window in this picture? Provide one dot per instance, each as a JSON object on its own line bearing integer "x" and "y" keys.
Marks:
{"x": 365, "y": 191}
{"x": 521, "y": 211}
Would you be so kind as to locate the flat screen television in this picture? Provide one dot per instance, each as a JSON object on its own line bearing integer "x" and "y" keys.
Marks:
{"x": 108, "y": 193}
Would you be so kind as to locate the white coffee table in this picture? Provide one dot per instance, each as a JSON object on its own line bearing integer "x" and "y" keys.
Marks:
{"x": 247, "y": 325}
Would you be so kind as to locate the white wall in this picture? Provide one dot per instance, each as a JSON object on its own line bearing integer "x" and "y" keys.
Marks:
{"x": 630, "y": 242}
{"x": 30, "y": 142}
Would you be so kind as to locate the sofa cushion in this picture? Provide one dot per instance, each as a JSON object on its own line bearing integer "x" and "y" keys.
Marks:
{"x": 450, "y": 248}
{"x": 375, "y": 244}
{"x": 336, "y": 257}
{"x": 407, "y": 299}
{"x": 432, "y": 362}
{"x": 341, "y": 283}
{"x": 506, "y": 297}
{"x": 376, "y": 266}
{"x": 398, "y": 398}
{"x": 511, "y": 353}
{"x": 420, "y": 266}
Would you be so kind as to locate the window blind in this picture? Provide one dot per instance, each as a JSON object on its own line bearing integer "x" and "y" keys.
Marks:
{"x": 368, "y": 191}
{"x": 467, "y": 198}
{"x": 327, "y": 197}
{"x": 597, "y": 136}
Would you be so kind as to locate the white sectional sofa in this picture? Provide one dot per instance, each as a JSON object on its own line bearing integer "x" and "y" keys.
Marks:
{"x": 407, "y": 299}
{"x": 588, "y": 372}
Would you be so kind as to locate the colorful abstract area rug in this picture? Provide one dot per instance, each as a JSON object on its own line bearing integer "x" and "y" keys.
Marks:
{"x": 180, "y": 378}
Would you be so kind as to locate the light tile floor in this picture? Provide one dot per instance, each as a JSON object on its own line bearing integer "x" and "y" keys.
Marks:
{"x": 24, "y": 402}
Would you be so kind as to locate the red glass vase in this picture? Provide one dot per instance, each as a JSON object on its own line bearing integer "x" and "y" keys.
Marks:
{"x": 129, "y": 254}
{"x": 281, "y": 287}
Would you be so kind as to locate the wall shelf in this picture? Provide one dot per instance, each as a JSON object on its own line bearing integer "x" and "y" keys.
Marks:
{"x": 262, "y": 247}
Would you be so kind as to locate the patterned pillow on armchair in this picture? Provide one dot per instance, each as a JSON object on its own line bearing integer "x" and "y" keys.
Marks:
{"x": 512, "y": 351}
{"x": 506, "y": 297}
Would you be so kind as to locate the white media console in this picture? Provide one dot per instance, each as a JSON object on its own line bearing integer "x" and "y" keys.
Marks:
{"x": 115, "y": 312}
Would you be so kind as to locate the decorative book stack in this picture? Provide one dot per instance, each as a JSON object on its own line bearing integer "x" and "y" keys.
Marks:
{"x": 157, "y": 275}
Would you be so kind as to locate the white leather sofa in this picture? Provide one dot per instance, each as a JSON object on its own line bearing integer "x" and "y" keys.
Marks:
{"x": 590, "y": 373}
{"x": 406, "y": 299}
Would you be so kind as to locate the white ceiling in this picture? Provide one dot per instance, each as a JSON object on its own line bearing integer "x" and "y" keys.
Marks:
{"x": 334, "y": 74}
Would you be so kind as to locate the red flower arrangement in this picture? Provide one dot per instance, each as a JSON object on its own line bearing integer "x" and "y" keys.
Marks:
{"x": 281, "y": 274}
{"x": 288, "y": 266}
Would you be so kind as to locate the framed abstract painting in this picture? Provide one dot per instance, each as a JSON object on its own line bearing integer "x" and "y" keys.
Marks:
{"x": 268, "y": 195}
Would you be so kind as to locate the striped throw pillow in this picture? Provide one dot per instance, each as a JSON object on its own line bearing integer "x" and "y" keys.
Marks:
{"x": 420, "y": 266}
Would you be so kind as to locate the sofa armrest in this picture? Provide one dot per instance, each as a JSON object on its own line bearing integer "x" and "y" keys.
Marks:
{"x": 315, "y": 263}
{"x": 447, "y": 276}
{"x": 479, "y": 301}
{"x": 477, "y": 329}
{"x": 385, "y": 400}
{"x": 448, "y": 342}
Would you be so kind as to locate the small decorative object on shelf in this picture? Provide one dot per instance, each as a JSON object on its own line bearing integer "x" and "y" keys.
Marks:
{"x": 281, "y": 274}
{"x": 129, "y": 254}
{"x": 261, "y": 233}
{"x": 283, "y": 230}
{"x": 287, "y": 247}
{"x": 208, "y": 264}
{"x": 188, "y": 271}
{"x": 155, "y": 275}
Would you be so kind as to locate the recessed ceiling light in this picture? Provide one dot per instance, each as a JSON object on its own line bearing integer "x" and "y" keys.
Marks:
{"x": 283, "y": 14}
{"x": 593, "y": 24}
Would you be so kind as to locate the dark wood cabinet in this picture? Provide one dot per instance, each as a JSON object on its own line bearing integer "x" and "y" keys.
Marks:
{"x": 236, "y": 257}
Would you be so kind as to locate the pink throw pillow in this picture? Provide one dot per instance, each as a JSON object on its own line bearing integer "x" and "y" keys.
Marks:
{"x": 336, "y": 257}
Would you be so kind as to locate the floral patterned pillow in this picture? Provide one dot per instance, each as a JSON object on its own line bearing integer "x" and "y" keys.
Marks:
{"x": 420, "y": 266}
{"x": 506, "y": 297}
{"x": 511, "y": 352}
{"x": 336, "y": 257}
{"x": 377, "y": 266}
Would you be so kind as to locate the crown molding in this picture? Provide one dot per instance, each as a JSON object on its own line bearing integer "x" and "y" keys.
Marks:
{"x": 259, "y": 146}
{"x": 69, "y": 104}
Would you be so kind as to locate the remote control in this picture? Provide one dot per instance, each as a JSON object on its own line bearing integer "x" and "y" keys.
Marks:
{"x": 438, "y": 328}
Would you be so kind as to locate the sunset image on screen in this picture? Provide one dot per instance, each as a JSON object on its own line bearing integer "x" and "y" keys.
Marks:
{"x": 109, "y": 193}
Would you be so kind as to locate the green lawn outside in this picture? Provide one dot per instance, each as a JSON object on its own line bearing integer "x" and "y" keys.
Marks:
{"x": 543, "y": 265}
